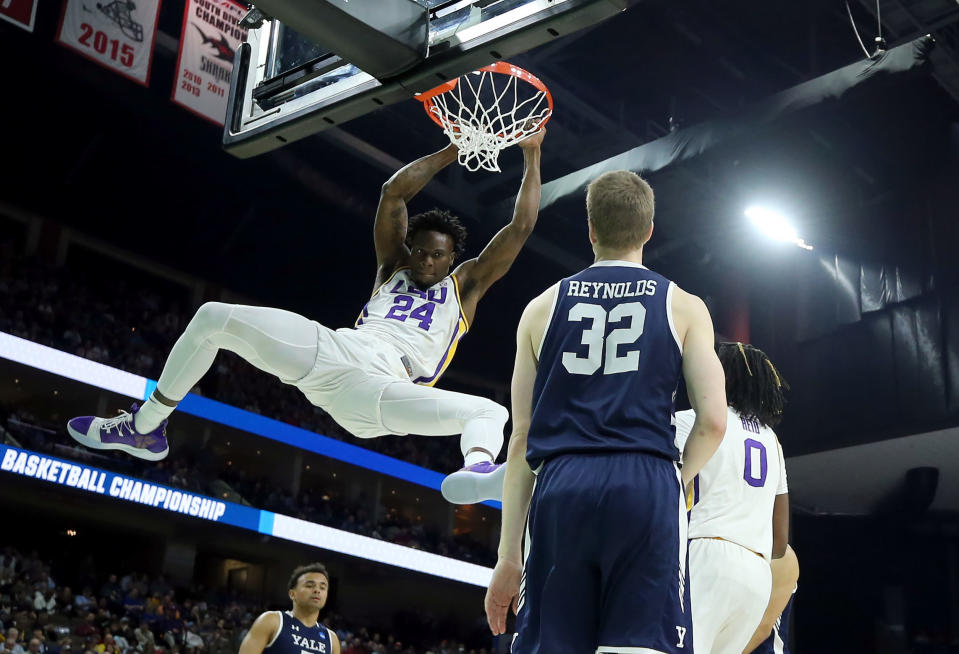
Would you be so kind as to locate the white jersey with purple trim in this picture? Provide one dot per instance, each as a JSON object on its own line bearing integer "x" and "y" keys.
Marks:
{"x": 733, "y": 495}
{"x": 424, "y": 325}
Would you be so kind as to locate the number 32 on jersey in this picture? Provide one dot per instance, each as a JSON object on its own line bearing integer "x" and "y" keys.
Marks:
{"x": 602, "y": 350}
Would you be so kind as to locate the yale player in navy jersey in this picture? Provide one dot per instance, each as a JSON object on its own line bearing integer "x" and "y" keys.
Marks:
{"x": 376, "y": 378}
{"x": 772, "y": 636}
{"x": 297, "y": 631}
{"x": 598, "y": 361}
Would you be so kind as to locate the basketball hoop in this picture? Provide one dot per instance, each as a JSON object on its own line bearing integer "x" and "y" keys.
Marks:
{"x": 487, "y": 110}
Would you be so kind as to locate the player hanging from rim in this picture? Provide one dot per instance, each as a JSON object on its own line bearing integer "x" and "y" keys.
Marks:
{"x": 598, "y": 361}
{"x": 298, "y": 630}
{"x": 739, "y": 517}
{"x": 375, "y": 378}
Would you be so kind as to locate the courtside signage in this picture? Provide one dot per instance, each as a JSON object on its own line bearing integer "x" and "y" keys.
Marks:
{"x": 95, "y": 481}
{"x": 99, "y": 375}
{"x": 117, "y": 34}
{"x": 21, "y": 13}
{"x": 209, "y": 39}
{"x": 128, "y": 489}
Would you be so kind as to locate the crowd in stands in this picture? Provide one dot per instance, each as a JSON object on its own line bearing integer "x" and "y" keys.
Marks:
{"x": 132, "y": 613}
{"x": 133, "y": 329}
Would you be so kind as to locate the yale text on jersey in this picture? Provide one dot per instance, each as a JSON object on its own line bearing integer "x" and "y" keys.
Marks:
{"x": 309, "y": 644}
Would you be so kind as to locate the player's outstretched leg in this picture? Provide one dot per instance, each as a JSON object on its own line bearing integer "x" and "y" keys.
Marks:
{"x": 411, "y": 409}
{"x": 279, "y": 342}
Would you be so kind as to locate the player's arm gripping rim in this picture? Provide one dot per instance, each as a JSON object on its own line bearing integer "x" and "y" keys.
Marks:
{"x": 477, "y": 275}
{"x": 785, "y": 571}
{"x": 261, "y": 633}
{"x": 705, "y": 383}
{"x": 518, "y": 483}
{"x": 389, "y": 229}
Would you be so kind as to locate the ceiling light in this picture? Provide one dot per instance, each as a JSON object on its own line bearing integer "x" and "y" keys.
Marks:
{"x": 775, "y": 225}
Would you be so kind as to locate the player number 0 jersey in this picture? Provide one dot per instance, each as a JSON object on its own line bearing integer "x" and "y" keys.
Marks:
{"x": 733, "y": 495}
{"x": 424, "y": 325}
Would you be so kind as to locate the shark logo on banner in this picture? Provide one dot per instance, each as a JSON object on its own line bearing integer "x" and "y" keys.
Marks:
{"x": 118, "y": 34}
{"x": 221, "y": 46}
{"x": 210, "y": 38}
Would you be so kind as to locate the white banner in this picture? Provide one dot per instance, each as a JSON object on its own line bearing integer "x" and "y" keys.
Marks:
{"x": 118, "y": 34}
{"x": 208, "y": 41}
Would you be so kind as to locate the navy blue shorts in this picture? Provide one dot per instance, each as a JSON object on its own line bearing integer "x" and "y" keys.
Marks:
{"x": 778, "y": 641}
{"x": 605, "y": 558}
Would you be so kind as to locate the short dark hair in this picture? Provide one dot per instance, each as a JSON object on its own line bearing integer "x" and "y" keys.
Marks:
{"x": 438, "y": 220}
{"x": 304, "y": 569}
{"x": 753, "y": 385}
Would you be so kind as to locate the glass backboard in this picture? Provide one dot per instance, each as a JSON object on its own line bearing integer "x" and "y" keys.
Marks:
{"x": 286, "y": 87}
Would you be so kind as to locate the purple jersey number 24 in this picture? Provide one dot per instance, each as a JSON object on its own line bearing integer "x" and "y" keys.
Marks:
{"x": 748, "y": 474}
{"x": 401, "y": 311}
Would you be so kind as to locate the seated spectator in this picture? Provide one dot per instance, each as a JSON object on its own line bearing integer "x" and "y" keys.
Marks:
{"x": 145, "y": 642}
{"x": 42, "y": 639}
{"x": 133, "y": 604}
{"x": 108, "y": 645}
{"x": 83, "y": 600}
{"x": 10, "y": 645}
{"x": 44, "y": 601}
{"x": 87, "y": 628}
{"x": 112, "y": 593}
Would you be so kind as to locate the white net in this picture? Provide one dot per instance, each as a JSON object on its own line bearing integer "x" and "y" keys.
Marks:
{"x": 487, "y": 111}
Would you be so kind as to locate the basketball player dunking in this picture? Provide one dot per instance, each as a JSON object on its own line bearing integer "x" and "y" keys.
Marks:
{"x": 598, "y": 361}
{"x": 740, "y": 506}
{"x": 375, "y": 378}
{"x": 297, "y": 631}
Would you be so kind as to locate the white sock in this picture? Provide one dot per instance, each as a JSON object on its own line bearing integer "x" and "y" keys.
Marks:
{"x": 150, "y": 415}
{"x": 482, "y": 437}
{"x": 477, "y": 456}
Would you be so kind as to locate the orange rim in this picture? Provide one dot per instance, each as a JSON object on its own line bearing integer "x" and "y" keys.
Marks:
{"x": 502, "y": 67}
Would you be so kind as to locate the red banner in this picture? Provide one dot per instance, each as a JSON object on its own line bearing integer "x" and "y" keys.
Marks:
{"x": 21, "y": 13}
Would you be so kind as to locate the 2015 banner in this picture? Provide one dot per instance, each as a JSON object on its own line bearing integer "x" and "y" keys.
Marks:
{"x": 208, "y": 41}
{"x": 118, "y": 34}
{"x": 21, "y": 13}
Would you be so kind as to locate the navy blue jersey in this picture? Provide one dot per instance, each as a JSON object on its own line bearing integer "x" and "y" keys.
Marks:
{"x": 294, "y": 637}
{"x": 609, "y": 366}
{"x": 778, "y": 641}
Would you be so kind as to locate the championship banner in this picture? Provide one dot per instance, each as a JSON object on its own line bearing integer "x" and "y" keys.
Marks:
{"x": 118, "y": 34}
{"x": 21, "y": 13}
{"x": 208, "y": 41}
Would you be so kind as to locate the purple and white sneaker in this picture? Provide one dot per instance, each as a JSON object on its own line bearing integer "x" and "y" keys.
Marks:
{"x": 476, "y": 483}
{"x": 119, "y": 434}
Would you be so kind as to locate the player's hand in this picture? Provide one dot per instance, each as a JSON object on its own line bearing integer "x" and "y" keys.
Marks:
{"x": 503, "y": 590}
{"x": 534, "y": 140}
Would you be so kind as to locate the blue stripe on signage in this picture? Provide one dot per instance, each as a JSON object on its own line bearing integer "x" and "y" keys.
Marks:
{"x": 304, "y": 439}
{"x": 266, "y": 523}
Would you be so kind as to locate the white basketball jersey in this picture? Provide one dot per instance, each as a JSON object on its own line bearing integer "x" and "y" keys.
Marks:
{"x": 733, "y": 495}
{"x": 424, "y": 325}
